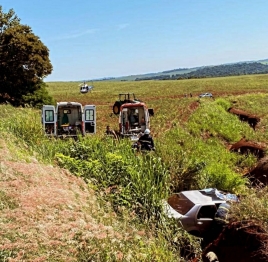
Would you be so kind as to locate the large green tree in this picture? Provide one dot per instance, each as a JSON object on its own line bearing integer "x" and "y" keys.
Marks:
{"x": 24, "y": 62}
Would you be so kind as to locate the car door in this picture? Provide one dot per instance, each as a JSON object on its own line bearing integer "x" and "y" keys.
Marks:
{"x": 123, "y": 120}
{"x": 89, "y": 119}
{"x": 49, "y": 120}
{"x": 205, "y": 217}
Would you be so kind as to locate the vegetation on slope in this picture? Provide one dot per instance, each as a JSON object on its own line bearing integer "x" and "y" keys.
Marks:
{"x": 192, "y": 153}
{"x": 49, "y": 214}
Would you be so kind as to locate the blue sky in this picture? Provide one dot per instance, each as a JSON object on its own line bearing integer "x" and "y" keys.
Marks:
{"x": 109, "y": 38}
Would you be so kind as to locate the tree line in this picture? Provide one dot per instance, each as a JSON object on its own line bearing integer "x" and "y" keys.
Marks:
{"x": 24, "y": 63}
{"x": 215, "y": 71}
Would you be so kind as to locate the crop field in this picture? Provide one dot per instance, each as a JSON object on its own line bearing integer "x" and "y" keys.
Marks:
{"x": 168, "y": 97}
{"x": 189, "y": 131}
{"x": 192, "y": 136}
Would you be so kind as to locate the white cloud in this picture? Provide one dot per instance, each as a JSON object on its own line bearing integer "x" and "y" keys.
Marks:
{"x": 78, "y": 34}
{"x": 122, "y": 26}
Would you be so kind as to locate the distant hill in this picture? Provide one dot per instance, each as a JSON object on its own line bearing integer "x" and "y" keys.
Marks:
{"x": 153, "y": 75}
{"x": 230, "y": 69}
{"x": 226, "y": 70}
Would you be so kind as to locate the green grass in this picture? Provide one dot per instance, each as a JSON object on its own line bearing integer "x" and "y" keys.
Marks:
{"x": 192, "y": 136}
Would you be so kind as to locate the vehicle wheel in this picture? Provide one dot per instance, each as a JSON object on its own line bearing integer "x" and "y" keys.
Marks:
{"x": 116, "y": 108}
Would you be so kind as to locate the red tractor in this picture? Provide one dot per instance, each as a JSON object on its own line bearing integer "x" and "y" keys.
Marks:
{"x": 123, "y": 99}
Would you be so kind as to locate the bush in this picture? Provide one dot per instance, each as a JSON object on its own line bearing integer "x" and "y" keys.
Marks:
{"x": 38, "y": 98}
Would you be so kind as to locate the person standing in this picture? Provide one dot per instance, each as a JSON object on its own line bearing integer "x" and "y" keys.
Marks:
{"x": 146, "y": 141}
{"x": 221, "y": 219}
{"x": 110, "y": 132}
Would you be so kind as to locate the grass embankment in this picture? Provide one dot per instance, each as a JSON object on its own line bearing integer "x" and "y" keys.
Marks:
{"x": 192, "y": 137}
{"x": 66, "y": 222}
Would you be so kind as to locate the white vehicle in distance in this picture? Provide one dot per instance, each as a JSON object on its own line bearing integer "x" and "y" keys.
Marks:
{"x": 206, "y": 95}
{"x": 195, "y": 209}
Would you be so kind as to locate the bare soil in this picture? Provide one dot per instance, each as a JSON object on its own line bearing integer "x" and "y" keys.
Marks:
{"x": 240, "y": 242}
{"x": 259, "y": 174}
{"x": 244, "y": 146}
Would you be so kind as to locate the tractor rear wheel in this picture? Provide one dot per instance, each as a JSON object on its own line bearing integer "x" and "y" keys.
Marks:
{"x": 116, "y": 108}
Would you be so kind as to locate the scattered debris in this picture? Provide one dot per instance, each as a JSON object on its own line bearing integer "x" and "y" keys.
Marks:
{"x": 212, "y": 257}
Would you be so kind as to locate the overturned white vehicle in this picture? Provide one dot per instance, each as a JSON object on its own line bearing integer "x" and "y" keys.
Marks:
{"x": 195, "y": 209}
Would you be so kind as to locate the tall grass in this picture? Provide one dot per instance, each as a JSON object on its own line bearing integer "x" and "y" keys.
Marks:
{"x": 23, "y": 128}
{"x": 197, "y": 152}
{"x": 253, "y": 207}
{"x": 138, "y": 182}
{"x": 192, "y": 153}
{"x": 104, "y": 165}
